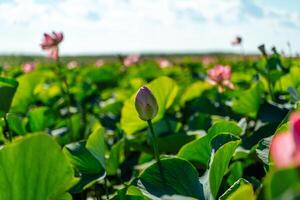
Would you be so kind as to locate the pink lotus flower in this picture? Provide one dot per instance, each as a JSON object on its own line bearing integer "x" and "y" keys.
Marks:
{"x": 131, "y": 59}
{"x": 285, "y": 147}
{"x": 99, "y": 62}
{"x": 50, "y": 44}
{"x": 220, "y": 75}
{"x": 164, "y": 63}
{"x": 72, "y": 64}
{"x": 28, "y": 67}
{"x": 237, "y": 41}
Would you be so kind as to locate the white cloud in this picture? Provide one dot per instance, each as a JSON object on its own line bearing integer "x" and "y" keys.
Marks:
{"x": 95, "y": 26}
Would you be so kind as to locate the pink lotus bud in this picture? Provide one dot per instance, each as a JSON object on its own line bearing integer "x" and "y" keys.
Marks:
{"x": 237, "y": 41}
{"x": 284, "y": 149}
{"x": 50, "y": 44}
{"x": 28, "y": 67}
{"x": 220, "y": 75}
{"x": 145, "y": 104}
{"x": 131, "y": 59}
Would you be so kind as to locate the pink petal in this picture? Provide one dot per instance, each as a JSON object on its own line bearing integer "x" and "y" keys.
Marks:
{"x": 226, "y": 72}
{"x": 212, "y": 82}
{"x": 58, "y": 36}
{"x": 131, "y": 59}
{"x": 50, "y": 41}
{"x": 215, "y": 74}
{"x": 48, "y": 38}
{"x": 297, "y": 158}
{"x": 295, "y": 124}
{"x": 282, "y": 150}
{"x": 228, "y": 84}
{"x": 53, "y": 53}
{"x": 47, "y": 41}
{"x": 28, "y": 67}
{"x": 164, "y": 63}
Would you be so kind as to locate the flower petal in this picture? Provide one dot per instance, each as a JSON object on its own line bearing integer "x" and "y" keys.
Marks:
{"x": 282, "y": 150}
{"x": 295, "y": 124}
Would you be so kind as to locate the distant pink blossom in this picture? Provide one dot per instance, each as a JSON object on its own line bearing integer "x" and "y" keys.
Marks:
{"x": 99, "y": 62}
{"x": 28, "y": 67}
{"x": 164, "y": 63}
{"x": 220, "y": 75}
{"x": 206, "y": 60}
{"x": 131, "y": 60}
{"x": 6, "y": 66}
{"x": 237, "y": 41}
{"x": 285, "y": 147}
{"x": 51, "y": 42}
{"x": 72, "y": 64}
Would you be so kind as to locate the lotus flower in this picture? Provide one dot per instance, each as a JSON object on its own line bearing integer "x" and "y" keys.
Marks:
{"x": 164, "y": 63}
{"x": 99, "y": 62}
{"x": 237, "y": 41}
{"x": 206, "y": 60}
{"x": 72, "y": 64}
{"x": 285, "y": 147}
{"x": 220, "y": 75}
{"x": 28, "y": 67}
{"x": 50, "y": 44}
{"x": 145, "y": 104}
{"x": 131, "y": 59}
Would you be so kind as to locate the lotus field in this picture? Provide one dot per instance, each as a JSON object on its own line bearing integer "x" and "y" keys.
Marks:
{"x": 150, "y": 127}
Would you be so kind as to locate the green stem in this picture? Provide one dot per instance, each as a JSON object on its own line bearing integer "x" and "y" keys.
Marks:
{"x": 66, "y": 88}
{"x": 106, "y": 188}
{"x": 66, "y": 92}
{"x": 271, "y": 90}
{"x": 270, "y": 86}
{"x": 154, "y": 142}
{"x": 156, "y": 153}
{"x": 8, "y": 133}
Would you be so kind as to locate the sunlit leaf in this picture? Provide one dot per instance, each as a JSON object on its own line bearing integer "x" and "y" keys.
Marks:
{"x": 164, "y": 89}
{"x": 219, "y": 165}
{"x": 34, "y": 167}
{"x": 248, "y": 102}
{"x": 176, "y": 176}
{"x": 199, "y": 150}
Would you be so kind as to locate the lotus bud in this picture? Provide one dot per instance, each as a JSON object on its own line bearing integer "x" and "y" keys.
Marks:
{"x": 274, "y": 50}
{"x": 145, "y": 104}
{"x": 262, "y": 49}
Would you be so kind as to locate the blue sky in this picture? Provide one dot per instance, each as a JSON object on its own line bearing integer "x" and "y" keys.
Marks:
{"x": 132, "y": 26}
